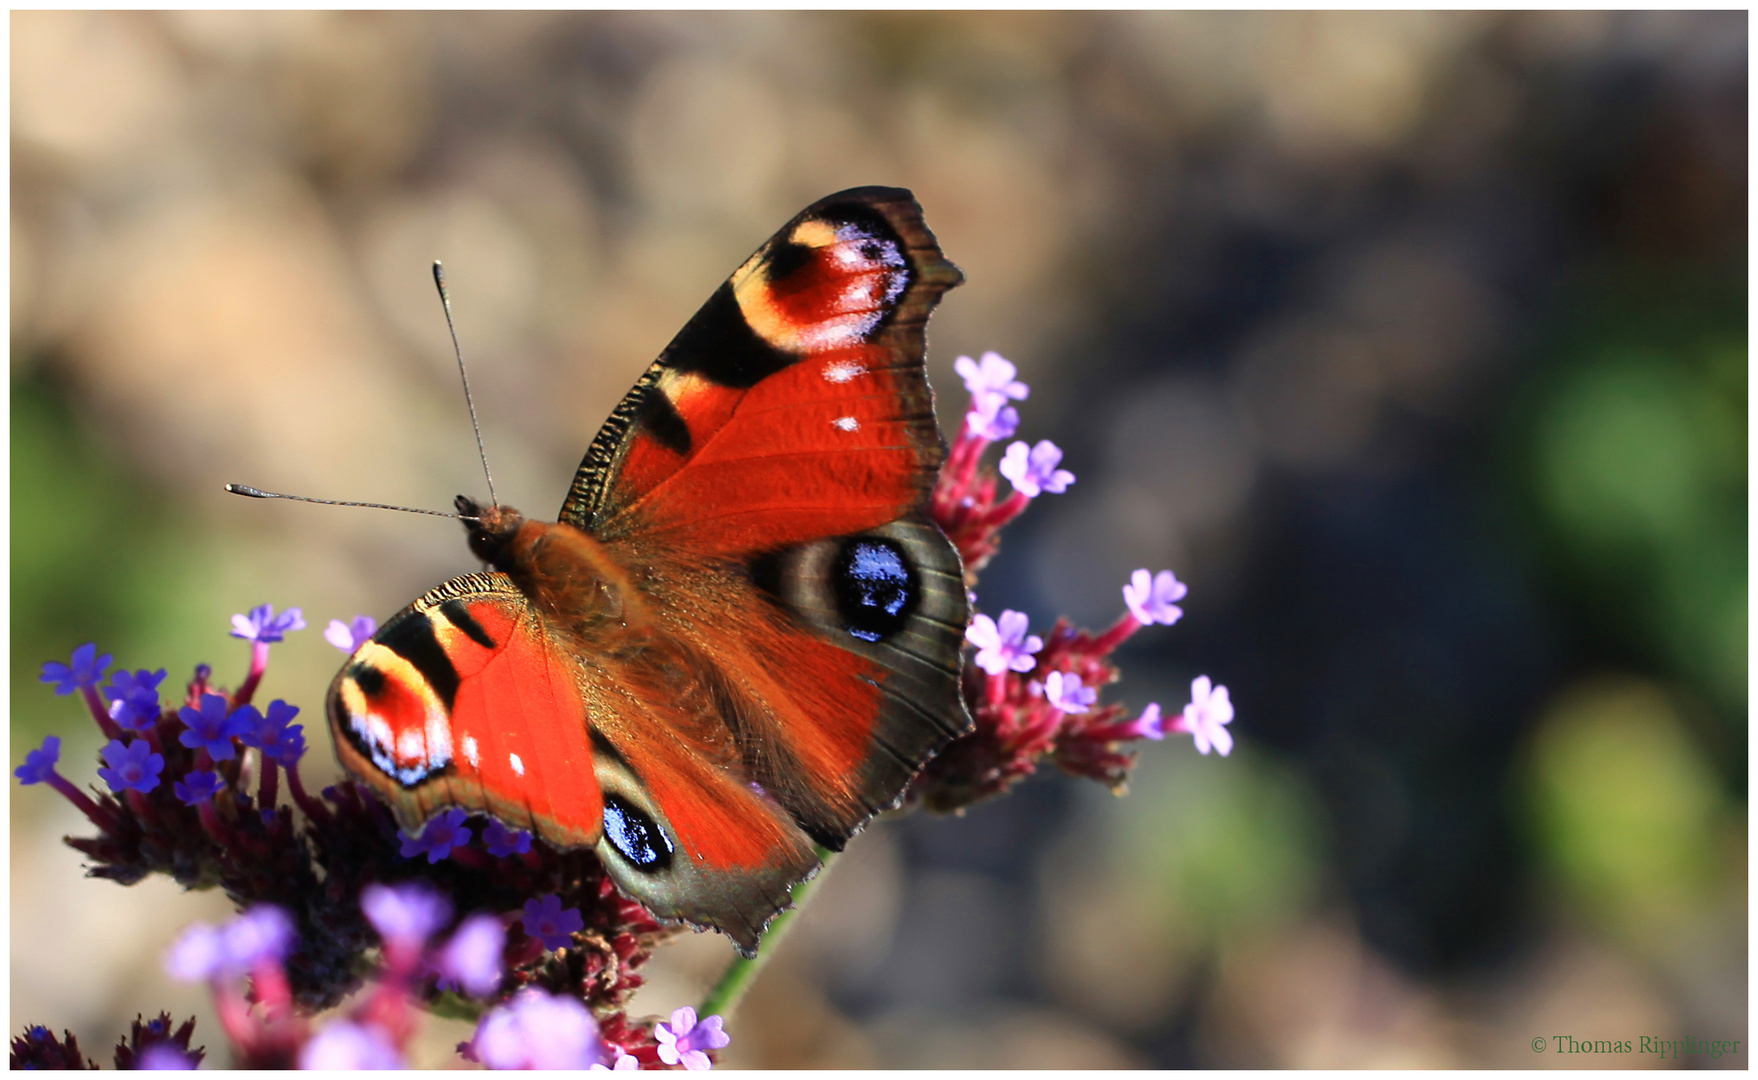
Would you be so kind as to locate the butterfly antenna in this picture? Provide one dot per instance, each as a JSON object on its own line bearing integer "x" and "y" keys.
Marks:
{"x": 439, "y": 280}
{"x": 254, "y": 493}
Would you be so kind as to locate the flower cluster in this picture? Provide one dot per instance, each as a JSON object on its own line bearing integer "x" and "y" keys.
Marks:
{"x": 326, "y": 881}
{"x": 334, "y": 895}
{"x": 149, "y": 1044}
{"x": 1036, "y": 698}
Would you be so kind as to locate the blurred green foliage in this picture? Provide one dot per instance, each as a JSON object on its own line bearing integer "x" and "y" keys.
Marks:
{"x": 1627, "y": 811}
{"x": 95, "y": 557}
{"x": 1637, "y": 451}
{"x": 1222, "y": 850}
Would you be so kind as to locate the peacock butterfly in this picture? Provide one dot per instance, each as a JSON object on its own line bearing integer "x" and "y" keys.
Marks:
{"x": 742, "y": 636}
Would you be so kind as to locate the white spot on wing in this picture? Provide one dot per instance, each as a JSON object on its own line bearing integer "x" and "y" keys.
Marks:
{"x": 518, "y": 766}
{"x": 846, "y": 423}
{"x": 470, "y": 751}
{"x": 842, "y": 371}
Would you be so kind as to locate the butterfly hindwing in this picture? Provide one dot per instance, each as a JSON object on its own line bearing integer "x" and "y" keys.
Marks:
{"x": 426, "y": 712}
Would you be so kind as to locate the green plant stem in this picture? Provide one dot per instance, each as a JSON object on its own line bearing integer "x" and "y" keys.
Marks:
{"x": 724, "y": 996}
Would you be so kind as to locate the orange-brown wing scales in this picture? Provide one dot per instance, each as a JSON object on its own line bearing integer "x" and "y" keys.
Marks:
{"x": 836, "y": 663}
{"x": 421, "y": 712}
{"x": 686, "y": 833}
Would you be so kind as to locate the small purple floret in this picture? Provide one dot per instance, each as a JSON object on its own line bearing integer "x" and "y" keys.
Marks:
{"x": 213, "y": 727}
{"x": 264, "y": 626}
{"x": 503, "y": 841}
{"x": 271, "y": 733}
{"x": 407, "y": 914}
{"x": 537, "y": 1031}
{"x": 472, "y": 958}
{"x": 132, "y": 767}
{"x": 160, "y": 1056}
{"x": 261, "y": 935}
{"x": 991, "y": 418}
{"x": 198, "y": 787}
{"x": 1064, "y": 691}
{"x": 134, "y": 697}
{"x": 549, "y": 922}
{"x": 1207, "y": 715}
{"x": 39, "y": 765}
{"x": 994, "y": 374}
{"x": 1149, "y": 725}
{"x": 439, "y": 837}
{"x": 87, "y": 669}
{"x": 686, "y": 1042}
{"x": 344, "y": 1044}
{"x": 625, "y": 1063}
{"x": 1033, "y": 471}
{"x": 1154, "y": 598}
{"x": 350, "y": 636}
{"x": 1003, "y": 645}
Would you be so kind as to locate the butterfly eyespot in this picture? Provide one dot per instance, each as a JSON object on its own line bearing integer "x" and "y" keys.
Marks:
{"x": 875, "y": 587}
{"x": 635, "y": 835}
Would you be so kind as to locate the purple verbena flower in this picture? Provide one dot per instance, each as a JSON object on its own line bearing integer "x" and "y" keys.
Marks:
{"x": 994, "y": 374}
{"x": 134, "y": 697}
{"x": 39, "y": 765}
{"x": 991, "y": 417}
{"x": 164, "y": 1056}
{"x": 1149, "y": 725}
{"x": 344, "y": 1044}
{"x": 472, "y": 958}
{"x": 262, "y": 934}
{"x": 537, "y": 1031}
{"x": 350, "y": 636}
{"x": 198, "y": 787}
{"x": 1064, "y": 692}
{"x": 438, "y": 837}
{"x": 213, "y": 727}
{"x": 264, "y": 626}
{"x": 549, "y": 922}
{"x": 290, "y": 748}
{"x": 270, "y": 733}
{"x": 87, "y": 669}
{"x": 197, "y": 954}
{"x": 684, "y": 1041}
{"x": 1153, "y": 598}
{"x": 503, "y": 841}
{"x": 1207, "y": 715}
{"x": 1033, "y": 472}
{"x": 131, "y": 767}
{"x": 1004, "y": 645}
{"x": 405, "y": 914}
{"x": 625, "y": 1063}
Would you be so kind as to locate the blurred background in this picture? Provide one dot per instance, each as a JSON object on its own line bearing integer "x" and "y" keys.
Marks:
{"x": 1416, "y": 344}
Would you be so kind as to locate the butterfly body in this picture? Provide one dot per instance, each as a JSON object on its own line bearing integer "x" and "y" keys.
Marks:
{"x": 742, "y": 637}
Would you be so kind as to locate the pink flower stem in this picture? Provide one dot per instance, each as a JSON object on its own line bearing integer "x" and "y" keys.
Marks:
{"x": 142, "y": 806}
{"x": 259, "y": 663}
{"x": 268, "y": 792}
{"x": 234, "y": 1013}
{"x": 98, "y": 815}
{"x": 1117, "y": 635}
{"x": 1007, "y": 511}
{"x": 102, "y": 715}
{"x": 210, "y": 821}
{"x": 475, "y": 860}
{"x": 997, "y": 689}
{"x": 314, "y": 810}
